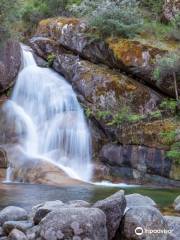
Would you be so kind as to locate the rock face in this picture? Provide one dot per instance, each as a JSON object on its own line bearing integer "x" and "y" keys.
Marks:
{"x": 170, "y": 9}
{"x": 113, "y": 207}
{"x": 126, "y": 55}
{"x": 36, "y": 170}
{"x": 10, "y": 62}
{"x": 74, "y": 223}
{"x": 140, "y": 152}
{"x": 145, "y": 218}
{"x": 136, "y": 162}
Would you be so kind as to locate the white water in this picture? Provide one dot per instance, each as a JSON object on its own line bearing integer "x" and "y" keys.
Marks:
{"x": 48, "y": 119}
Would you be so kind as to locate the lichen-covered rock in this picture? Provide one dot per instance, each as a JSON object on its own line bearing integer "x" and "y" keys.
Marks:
{"x": 146, "y": 218}
{"x": 12, "y": 213}
{"x": 10, "y": 61}
{"x": 134, "y": 200}
{"x": 92, "y": 81}
{"x": 124, "y": 54}
{"x": 17, "y": 235}
{"x": 113, "y": 207}
{"x": 74, "y": 223}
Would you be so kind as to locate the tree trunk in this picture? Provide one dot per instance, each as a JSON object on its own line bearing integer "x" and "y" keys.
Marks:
{"x": 175, "y": 86}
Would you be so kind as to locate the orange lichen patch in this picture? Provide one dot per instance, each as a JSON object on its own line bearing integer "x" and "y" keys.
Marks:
{"x": 133, "y": 53}
{"x": 148, "y": 133}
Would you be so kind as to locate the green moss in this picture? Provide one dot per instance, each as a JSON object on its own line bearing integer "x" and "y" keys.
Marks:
{"x": 50, "y": 58}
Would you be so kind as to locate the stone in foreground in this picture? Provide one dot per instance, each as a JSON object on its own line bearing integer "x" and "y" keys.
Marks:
{"x": 135, "y": 199}
{"x": 113, "y": 207}
{"x": 145, "y": 218}
{"x": 74, "y": 223}
{"x": 12, "y": 213}
{"x": 17, "y": 235}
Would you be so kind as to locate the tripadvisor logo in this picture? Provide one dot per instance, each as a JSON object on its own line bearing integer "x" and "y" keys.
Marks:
{"x": 140, "y": 231}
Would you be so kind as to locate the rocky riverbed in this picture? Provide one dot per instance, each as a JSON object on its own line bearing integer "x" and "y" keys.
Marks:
{"x": 116, "y": 217}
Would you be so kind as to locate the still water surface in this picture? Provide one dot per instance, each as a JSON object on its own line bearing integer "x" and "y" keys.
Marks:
{"x": 28, "y": 195}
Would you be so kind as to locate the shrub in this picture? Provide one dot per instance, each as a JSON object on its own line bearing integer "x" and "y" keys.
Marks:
{"x": 153, "y": 7}
{"x": 175, "y": 32}
{"x": 111, "y": 18}
{"x": 168, "y": 66}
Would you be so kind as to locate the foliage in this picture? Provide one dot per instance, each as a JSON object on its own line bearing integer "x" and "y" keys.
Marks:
{"x": 168, "y": 137}
{"x": 175, "y": 32}
{"x": 155, "y": 114}
{"x": 7, "y": 17}
{"x": 166, "y": 66}
{"x": 169, "y": 105}
{"x": 51, "y": 57}
{"x": 111, "y": 18}
{"x": 154, "y": 7}
{"x": 174, "y": 152}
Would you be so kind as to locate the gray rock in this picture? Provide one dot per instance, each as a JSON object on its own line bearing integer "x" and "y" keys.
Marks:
{"x": 12, "y": 213}
{"x": 32, "y": 233}
{"x": 20, "y": 225}
{"x": 17, "y": 235}
{"x": 176, "y": 204}
{"x": 113, "y": 207}
{"x": 135, "y": 199}
{"x": 3, "y": 238}
{"x": 174, "y": 225}
{"x": 1, "y": 232}
{"x": 43, "y": 209}
{"x": 146, "y": 218}
{"x": 74, "y": 223}
{"x": 78, "y": 203}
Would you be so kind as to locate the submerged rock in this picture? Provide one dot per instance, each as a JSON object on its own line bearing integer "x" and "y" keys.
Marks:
{"x": 12, "y": 213}
{"x": 74, "y": 223}
{"x": 113, "y": 207}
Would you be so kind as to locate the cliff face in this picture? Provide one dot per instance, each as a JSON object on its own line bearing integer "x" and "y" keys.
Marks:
{"x": 126, "y": 120}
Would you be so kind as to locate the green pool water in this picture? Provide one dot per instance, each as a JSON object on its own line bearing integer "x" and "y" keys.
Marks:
{"x": 28, "y": 195}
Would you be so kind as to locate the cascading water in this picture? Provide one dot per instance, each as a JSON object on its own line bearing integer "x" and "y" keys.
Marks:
{"x": 48, "y": 119}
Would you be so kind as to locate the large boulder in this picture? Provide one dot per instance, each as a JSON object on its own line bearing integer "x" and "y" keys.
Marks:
{"x": 20, "y": 225}
{"x": 174, "y": 226}
{"x": 74, "y": 223}
{"x": 138, "y": 221}
{"x": 43, "y": 209}
{"x": 124, "y": 54}
{"x": 10, "y": 61}
{"x": 102, "y": 88}
{"x": 140, "y": 160}
{"x": 12, "y": 213}
{"x": 135, "y": 199}
{"x": 25, "y": 168}
{"x": 176, "y": 204}
{"x": 17, "y": 235}
{"x": 113, "y": 207}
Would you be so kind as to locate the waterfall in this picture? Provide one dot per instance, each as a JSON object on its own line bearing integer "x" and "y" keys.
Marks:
{"x": 48, "y": 119}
